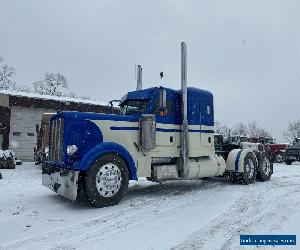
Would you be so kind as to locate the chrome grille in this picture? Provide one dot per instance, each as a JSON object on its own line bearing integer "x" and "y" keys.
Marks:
{"x": 56, "y": 140}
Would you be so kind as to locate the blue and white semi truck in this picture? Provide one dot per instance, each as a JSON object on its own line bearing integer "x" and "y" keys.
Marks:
{"x": 161, "y": 133}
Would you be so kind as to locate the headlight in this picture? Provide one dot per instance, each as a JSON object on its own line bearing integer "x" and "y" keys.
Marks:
{"x": 71, "y": 149}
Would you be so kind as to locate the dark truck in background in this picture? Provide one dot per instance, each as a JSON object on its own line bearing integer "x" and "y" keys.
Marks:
{"x": 292, "y": 152}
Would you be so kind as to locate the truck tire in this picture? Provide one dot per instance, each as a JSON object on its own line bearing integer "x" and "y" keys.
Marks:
{"x": 278, "y": 157}
{"x": 288, "y": 162}
{"x": 107, "y": 180}
{"x": 265, "y": 167}
{"x": 249, "y": 174}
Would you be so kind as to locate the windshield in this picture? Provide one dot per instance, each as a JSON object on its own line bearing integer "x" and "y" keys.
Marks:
{"x": 134, "y": 106}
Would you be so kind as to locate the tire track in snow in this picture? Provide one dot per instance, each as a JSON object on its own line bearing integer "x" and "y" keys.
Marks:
{"x": 117, "y": 220}
{"x": 249, "y": 210}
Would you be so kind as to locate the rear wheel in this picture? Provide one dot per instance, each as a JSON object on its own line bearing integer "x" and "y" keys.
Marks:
{"x": 265, "y": 167}
{"x": 288, "y": 162}
{"x": 107, "y": 181}
{"x": 250, "y": 166}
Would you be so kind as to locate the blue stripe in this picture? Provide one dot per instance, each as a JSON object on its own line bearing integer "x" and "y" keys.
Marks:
{"x": 163, "y": 129}
{"x": 124, "y": 128}
{"x": 168, "y": 130}
{"x": 201, "y": 131}
{"x": 237, "y": 159}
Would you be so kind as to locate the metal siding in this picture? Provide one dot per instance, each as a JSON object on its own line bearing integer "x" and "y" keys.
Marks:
{"x": 4, "y": 100}
{"x": 24, "y": 120}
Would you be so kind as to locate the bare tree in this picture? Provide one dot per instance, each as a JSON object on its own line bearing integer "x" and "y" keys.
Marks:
{"x": 221, "y": 129}
{"x": 293, "y": 131}
{"x": 252, "y": 129}
{"x": 52, "y": 84}
{"x": 6, "y": 75}
{"x": 257, "y": 131}
{"x": 240, "y": 129}
{"x": 25, "y": 88}
{"x": 263, "y": 133}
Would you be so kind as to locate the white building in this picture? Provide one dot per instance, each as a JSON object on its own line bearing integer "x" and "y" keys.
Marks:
{"x": 21, "y": 113}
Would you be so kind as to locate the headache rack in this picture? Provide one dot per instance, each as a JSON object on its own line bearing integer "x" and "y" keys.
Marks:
{"x": 56, "y": 140}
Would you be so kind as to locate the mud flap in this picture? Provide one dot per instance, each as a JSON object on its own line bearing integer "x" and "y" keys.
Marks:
{"x": 61, "y": 181}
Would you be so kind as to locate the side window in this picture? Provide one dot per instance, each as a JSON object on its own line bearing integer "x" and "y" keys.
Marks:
{"x": 16, "y": 133}
{"x": 206, "y": 109}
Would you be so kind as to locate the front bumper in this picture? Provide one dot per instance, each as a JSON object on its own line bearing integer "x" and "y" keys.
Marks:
{"x": 61, "y": 181}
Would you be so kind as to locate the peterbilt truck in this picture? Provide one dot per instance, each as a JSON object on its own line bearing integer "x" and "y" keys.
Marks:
{"x": 162, "y": 134}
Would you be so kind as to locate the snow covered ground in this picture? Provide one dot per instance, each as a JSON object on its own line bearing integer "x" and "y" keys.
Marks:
{"x": 180, "y": 215}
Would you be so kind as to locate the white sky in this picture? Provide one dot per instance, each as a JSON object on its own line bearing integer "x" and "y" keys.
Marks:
{"x": 246, "y": 52}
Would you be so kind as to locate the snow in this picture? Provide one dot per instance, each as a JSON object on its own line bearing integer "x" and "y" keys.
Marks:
{"x": 6, "y": 153}
{"x": 50, "y": 97}
{"x": 197, "y": 214}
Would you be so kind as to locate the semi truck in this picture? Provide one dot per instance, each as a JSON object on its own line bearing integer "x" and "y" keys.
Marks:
{"x": 292, "y": 152}
{"x": 161, "y": 133}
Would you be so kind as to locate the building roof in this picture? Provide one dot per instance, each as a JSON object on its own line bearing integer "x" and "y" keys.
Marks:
{"x": 50, "y": 97}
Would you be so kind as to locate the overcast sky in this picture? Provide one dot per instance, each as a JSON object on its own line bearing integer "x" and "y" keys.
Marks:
{"x": 246, "y": 52}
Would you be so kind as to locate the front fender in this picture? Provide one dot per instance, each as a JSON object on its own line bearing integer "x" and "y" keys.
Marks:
{"x": 104, "y": 148}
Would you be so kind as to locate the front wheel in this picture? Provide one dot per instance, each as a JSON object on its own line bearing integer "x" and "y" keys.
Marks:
{"x": 107, "y": 181}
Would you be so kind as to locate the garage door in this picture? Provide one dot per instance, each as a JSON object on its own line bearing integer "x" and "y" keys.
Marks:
{"x": 23, "y": 125}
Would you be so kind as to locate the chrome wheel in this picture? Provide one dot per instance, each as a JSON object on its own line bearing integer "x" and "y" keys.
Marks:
{"x": 266, "y": 166}
{"x": 108, "y": 180}
{"x": 249, "y": 168}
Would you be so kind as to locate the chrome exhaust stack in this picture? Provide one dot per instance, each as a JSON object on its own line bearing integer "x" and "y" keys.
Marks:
{"x": 184, "y": 133}
{"x": 139, "y": 82}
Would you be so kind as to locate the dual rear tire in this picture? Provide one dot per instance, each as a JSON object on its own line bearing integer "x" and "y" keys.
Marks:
{"x": 249, "y": 171}
{"x": 255, "y": 167}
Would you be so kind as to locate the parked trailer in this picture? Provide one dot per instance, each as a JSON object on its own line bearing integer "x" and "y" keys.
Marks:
{"x": 161, "y": 133}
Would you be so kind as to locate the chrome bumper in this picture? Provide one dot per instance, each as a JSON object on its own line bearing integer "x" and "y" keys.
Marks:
{"x": 61, "y": 181}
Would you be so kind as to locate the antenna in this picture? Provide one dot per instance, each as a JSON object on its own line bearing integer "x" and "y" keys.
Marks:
{"x": 161, "y": 76}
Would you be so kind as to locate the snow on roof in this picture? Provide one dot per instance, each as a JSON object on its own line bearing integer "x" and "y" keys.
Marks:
{"x": 50, "y": 97}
